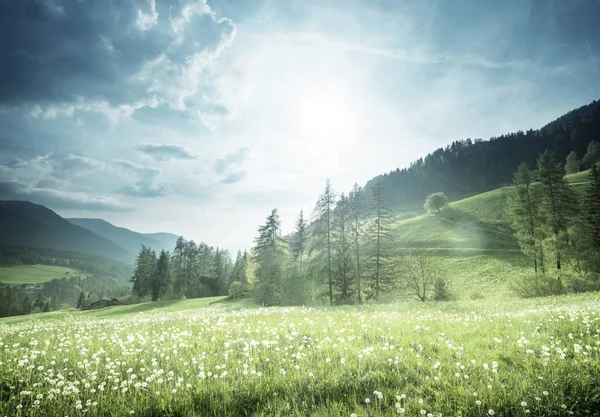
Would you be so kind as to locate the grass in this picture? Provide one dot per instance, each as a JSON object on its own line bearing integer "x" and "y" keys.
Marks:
{"x": 578, "y": 178}
{"x": 505, "y": 358}
{"x": 35, "y": 274}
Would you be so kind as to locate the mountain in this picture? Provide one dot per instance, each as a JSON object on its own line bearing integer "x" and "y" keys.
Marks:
{"x": 23, "y": 223}
{"x": 128, "y": 239}
{"x": 468, "y": 167}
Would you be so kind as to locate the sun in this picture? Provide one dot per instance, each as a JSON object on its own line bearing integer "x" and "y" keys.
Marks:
{"x": 324, "y": 113}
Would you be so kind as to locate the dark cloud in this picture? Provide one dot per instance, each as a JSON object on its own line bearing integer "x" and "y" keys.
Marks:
{"x": 167, "y": 151}
{"x": 59, "y": 199}
{"x": 136, "y": 53}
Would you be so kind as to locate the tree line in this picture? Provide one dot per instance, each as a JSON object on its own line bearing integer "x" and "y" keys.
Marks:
{"x": 468, "y": 167}
{"x": 345, "y": 255}
{"x": 557, "y": 225}
{"x": 191, "y": 271}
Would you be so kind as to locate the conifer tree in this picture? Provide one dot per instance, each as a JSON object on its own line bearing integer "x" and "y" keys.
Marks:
{"x": 380, "y": 242}
{"x": 342, "y": 243}
{"x": 525, "y": 217}
{"x": 145, "y": 267}
{"x": 357, "y": 213}
{"x": 592, "y": 216}
{"x": 556, "y": 202}
{"x": 572, "y": 163}
{"x": 269, "y": 252}
{"x": 299, "y": 237}
{"x": 161, "y": 278}
{"x": 322, "y": 234}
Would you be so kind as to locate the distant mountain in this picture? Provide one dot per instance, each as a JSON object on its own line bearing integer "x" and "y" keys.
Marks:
{"x": 23, "y": 223}
{"x": 128, "y": 239}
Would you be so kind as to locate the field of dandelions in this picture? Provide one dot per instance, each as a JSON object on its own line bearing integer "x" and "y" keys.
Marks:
{"x": 513, "y": 358}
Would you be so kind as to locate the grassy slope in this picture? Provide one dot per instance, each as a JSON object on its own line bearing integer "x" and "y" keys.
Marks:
{"x": 472, "y": 242}
{"x": 35, "y": 274}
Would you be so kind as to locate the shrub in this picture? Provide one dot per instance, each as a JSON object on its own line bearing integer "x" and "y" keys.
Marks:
{"x": 538, "y": 286}
{"x": 441, "y": 290}
{"x": 236, "y": 289}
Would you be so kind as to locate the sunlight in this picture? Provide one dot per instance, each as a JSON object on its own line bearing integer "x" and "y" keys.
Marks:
{"x": 325, "y": 113}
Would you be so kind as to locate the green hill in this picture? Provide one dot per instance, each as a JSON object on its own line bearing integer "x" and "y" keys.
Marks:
{"x": 35, "y": 274}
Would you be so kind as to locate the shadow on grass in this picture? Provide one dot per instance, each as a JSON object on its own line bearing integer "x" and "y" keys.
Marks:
{"x": 133, "y": 308}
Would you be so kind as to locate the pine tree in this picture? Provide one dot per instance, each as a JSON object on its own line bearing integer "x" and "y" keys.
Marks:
{"x": 381, "y": 240}
{"x": 572, "y": 163}
{"x": 161, "y": 277}
{"x": 299, "y": 237}
{"x": 592, "y": 216}
{"x": 525, "y": 218}
{"x": 269, "y": 252}
{"x": 556, "y": 202}
{"x": 322, "y": 233}
{"x": 342, "y": 243}
{"x": 592, "y": 155}
{"x": 357, "y": 213}
{"x": 80, "y": 300}
{"x": 54, "y": 303}
{"x": 145, "y": 268}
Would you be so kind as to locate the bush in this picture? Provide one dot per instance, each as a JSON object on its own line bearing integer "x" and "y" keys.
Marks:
{"x": 538, "y": 286}
{"x": 236, "y": 289}
{"x": 441, "y": 290}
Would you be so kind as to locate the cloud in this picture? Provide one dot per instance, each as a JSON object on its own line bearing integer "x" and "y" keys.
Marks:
{"x": 112, "y": 57}
{"x": 146, "y": 185}
{"x": 46, "y": 180}
{"x": 232, "y": 166}
{"x": 167, "y": 151}
{"x": 59, "y": 199}
{"x": 140, "y": 169}
{"x": 233, "y": 178}
{"x": 81, "y": 164}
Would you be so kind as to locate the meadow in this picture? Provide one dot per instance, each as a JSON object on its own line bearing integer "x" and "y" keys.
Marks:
{"x": 470, "y": 358}
{"x": 35, "y": 274}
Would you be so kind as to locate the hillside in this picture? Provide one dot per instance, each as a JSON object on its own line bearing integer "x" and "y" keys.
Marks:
{"x": 127, "y": 239}
{"x": 472, "y": 241}
{"x": 468, "y": 167}
{"x": 23, "y": 223}
{"x": 36, "y": 274}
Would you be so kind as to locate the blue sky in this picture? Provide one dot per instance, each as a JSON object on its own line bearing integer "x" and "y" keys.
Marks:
{"x": 198, "y": 118}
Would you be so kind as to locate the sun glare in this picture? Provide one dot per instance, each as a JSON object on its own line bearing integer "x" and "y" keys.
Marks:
{"x": 324, "y": 113}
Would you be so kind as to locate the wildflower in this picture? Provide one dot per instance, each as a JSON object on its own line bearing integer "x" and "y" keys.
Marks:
{"x": 367, "y": 400}
{"x": 491, "y": 412}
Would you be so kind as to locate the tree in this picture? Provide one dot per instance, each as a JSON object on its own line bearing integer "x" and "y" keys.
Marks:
{"x": 591, "y": 217}
{"x": 357, "y": 213}
{"x": 572, "y": 163}
{"x": 592, "y": 155}
{"x": 525, "y": 217}
{"x": 162, "y": 276}
{"x": 342, "y": 243}
{"x": 145, "y": 268}
{"x": 80, "y": 300}
{"x": 322, "y": 233}
{"x": 299, "y": 237}
{"x": 54, "y": 303}
{"x": 419, "y": 276}
{"x": 269, "y": 251}
{"x": 556, "y": 203}
{"x": 380, "y": 242}
{"x": 436, "y": 202}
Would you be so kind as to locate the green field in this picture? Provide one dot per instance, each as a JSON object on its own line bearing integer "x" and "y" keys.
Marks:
{"x": 469, "y": 358}
{"x": 35, "y": 274}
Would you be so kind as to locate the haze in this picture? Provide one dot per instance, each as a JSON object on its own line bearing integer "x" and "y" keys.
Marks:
{"x": 198, "y": 118}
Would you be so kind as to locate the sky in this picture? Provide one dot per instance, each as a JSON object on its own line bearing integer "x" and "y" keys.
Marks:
{"x": 199, "y": 117}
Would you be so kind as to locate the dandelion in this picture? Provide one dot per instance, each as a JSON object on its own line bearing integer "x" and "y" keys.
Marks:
{"x": 367, "y": 400}
{"x": 491, "y": 412}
